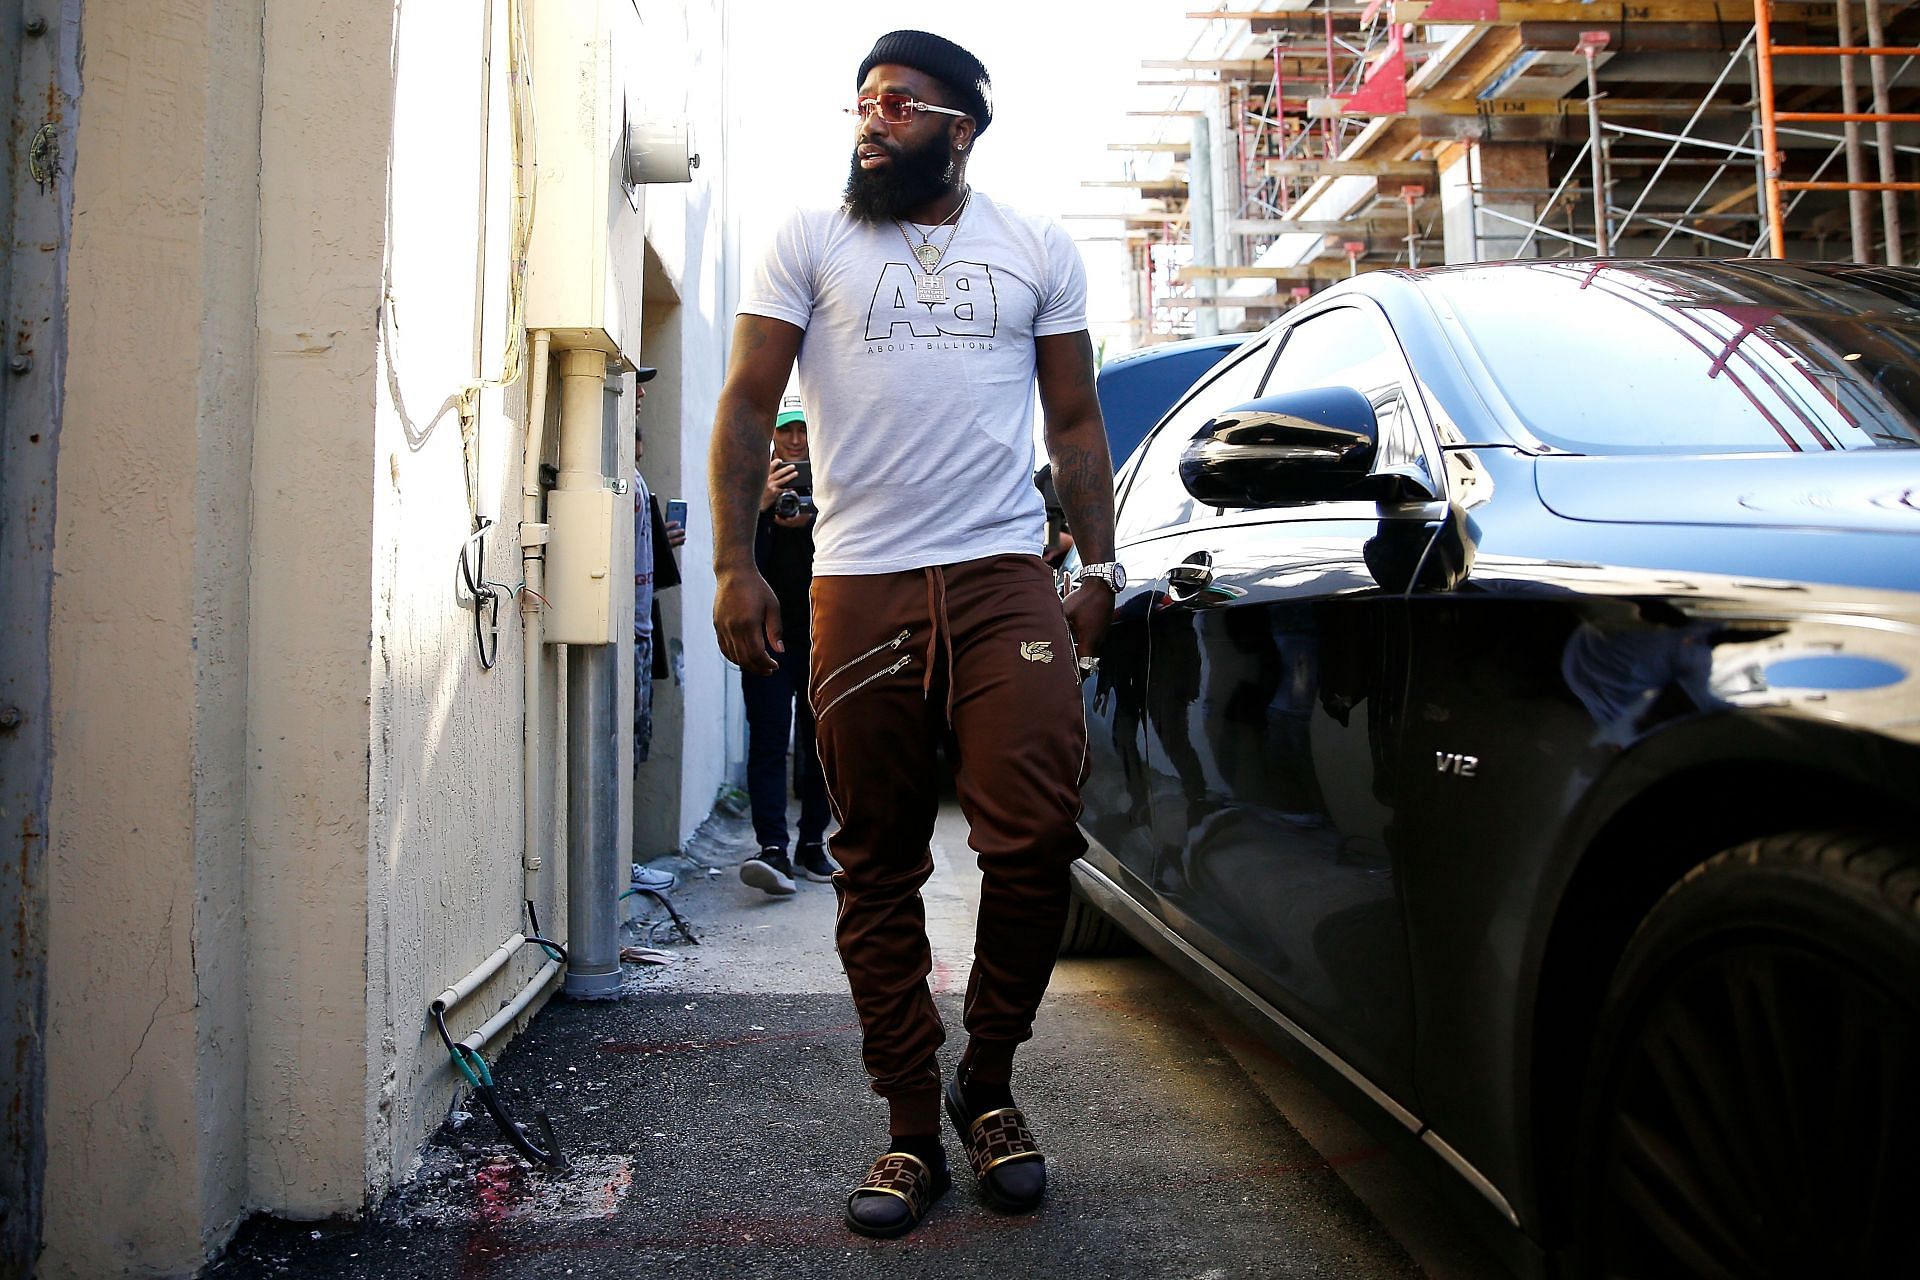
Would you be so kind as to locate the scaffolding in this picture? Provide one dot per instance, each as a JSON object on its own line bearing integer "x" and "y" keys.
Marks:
{"x": 1850, "y": 117}
{"x": 1343, "y": 130}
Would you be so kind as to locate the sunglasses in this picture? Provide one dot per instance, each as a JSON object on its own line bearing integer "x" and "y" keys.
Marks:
{"x": 896, "y": 108}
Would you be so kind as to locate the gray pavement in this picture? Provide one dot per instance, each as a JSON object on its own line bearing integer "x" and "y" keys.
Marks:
{"x": 718, "y": 1115}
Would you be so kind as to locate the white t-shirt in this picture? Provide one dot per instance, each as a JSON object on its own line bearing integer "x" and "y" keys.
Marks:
{"x": 920, "y": 414}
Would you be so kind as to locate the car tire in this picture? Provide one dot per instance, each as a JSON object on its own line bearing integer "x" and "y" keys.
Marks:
{"x": 1754, "y": 1108}
{"x": 1089, "y": 932}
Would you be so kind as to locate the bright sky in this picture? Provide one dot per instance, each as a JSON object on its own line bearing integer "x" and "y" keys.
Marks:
{"x": 1064, "y": 75}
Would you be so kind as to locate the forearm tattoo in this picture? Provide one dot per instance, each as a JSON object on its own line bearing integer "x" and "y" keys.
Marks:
{"x": 1083, "y": 477}
{"x": 737, "y": 458}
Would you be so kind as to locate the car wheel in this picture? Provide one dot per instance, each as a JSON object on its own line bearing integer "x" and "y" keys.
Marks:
{"x": 1755, "y": 1108}
{"x": 1089, "y": 933}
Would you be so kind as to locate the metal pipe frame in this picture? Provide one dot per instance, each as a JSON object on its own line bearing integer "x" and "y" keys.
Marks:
{"x": 1858, "y": 224}
{"x": 1597, "y": 150}
{"x": 1883, "y": 133}
{"x": 1685, "y": 133}
{"x": 1540, "y": 227}
{"x": 1535, "y": 227}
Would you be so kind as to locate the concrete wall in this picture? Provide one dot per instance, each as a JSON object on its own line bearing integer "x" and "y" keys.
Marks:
{"x": 147, "y": 1002}
{"x": 328, "y": 103}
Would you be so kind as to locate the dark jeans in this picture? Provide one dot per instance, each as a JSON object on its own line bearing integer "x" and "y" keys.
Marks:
{"x": 771, "y": 719}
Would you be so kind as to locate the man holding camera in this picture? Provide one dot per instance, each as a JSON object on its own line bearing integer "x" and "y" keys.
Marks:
{"x": 777, "y": 701}
{"x": 929, "y": 312}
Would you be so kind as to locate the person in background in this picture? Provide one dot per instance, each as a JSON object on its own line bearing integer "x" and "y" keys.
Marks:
{"x": 654, "y": 570}
{"x": 777, "y": 707}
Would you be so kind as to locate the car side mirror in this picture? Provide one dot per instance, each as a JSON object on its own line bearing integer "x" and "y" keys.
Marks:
{"x": 1299, "y": 446}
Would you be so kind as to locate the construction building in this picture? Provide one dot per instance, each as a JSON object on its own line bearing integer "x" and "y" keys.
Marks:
{"x": 1301, "y": 141}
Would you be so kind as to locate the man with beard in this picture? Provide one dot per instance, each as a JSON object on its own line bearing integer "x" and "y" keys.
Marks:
{"x": 922, "y": 313}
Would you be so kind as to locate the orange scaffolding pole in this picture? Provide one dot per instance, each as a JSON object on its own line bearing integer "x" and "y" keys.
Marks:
{"x": 1769, "y": 136}
{"x": 1770, "y": 119}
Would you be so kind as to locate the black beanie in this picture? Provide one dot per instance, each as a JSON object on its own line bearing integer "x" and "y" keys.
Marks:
{"x": 942, "y": 59}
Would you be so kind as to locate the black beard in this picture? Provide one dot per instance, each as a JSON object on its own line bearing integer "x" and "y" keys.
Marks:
{"x": 914, "y": 178}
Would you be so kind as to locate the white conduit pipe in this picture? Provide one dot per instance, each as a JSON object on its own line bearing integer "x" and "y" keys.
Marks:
{"x": 498, "y": 1022}
{"x": 460, "y": 990}
{"x": 533, "y": 550}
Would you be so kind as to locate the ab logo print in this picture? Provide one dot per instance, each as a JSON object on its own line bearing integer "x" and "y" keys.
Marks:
{"x": 969, "y": 316}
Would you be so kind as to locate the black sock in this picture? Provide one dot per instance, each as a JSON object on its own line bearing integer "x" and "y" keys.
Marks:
{"x": 982, "y": 1097}
{"x": 925, "y": 1145}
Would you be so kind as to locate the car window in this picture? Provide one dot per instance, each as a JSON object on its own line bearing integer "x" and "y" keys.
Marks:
{"x": 1350, "y": 347}
{"x": 1656, "y": 357}
{"x": 1156, "y": 499}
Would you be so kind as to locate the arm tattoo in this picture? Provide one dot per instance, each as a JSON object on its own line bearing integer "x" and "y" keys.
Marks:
{"x": 1077, "y": 445}
{"x": 737, "y": 471}
{"x": 1083, "y": 477}
{"x": 743, "y": 434}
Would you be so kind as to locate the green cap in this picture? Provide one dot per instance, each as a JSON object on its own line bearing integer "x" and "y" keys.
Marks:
{"x": 791, "y": 411}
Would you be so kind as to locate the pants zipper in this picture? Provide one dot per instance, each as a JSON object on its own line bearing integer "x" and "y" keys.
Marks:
{"x": 884, "y": 671}
{"x": 894, "y": 643}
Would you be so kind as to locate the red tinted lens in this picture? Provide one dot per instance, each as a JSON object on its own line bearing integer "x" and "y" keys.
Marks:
{"x": 895, "y": 108}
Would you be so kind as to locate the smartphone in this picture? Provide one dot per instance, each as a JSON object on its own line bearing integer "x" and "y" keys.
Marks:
{"x": 677, "y": 511}
{"x": 803, "y": 477}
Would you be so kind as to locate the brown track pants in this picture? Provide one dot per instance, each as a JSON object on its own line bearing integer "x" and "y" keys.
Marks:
{"x": 900, "y": 660}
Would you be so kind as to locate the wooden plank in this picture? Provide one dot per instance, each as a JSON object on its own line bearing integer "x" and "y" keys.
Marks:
{"x": 1318, "y": 269}
{"x": 1242, "y": 66}
{"x": 1317, "y": 226}
{"x": 1733, "y": 201}
{"x": 1650, "y": 37}
{"x": 1258, "y": 15}
{"x": 1413, "y": 169}
{"x": 1609, "y": 13}
{"x": 1610, "y": 108}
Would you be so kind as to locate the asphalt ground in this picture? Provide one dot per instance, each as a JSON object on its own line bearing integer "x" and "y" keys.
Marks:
{"x": 717, "y": 1116}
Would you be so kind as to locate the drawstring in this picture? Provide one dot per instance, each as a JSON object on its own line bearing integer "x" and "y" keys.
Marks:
{"x": 939, "y": 630}
{"x": 933, "y": 636}
{"x": 946, "y": 632}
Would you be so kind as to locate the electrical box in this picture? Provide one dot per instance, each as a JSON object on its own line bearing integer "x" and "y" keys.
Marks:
{"x": 583, "y": 598}
{"x": 587, "y": 258}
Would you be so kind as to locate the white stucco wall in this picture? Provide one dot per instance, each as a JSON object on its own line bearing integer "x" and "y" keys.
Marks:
{"x": 328, "y": 102}
{"x": 443, "y": 868}
{"x": 146, "y": 980}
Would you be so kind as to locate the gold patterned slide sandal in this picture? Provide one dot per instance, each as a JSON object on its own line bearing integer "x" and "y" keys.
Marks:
{"x": 898, "y": 1191}
{"x": 1007, "y": 1166}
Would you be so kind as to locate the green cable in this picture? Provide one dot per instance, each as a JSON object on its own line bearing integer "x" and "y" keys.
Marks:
{"x": 461, "y": 1055}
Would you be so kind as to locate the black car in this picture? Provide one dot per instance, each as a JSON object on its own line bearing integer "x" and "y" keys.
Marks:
{"x": 1515, "y": 701}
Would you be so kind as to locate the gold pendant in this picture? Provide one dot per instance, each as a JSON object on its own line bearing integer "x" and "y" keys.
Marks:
{"x": 929, "y": 255}
{"x": 929, "y": 289}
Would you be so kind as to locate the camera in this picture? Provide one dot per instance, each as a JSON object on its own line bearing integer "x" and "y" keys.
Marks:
{"x": 797, "y": 498}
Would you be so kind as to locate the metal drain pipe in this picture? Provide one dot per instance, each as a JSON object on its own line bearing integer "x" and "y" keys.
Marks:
{"x": 593, "y": 941}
